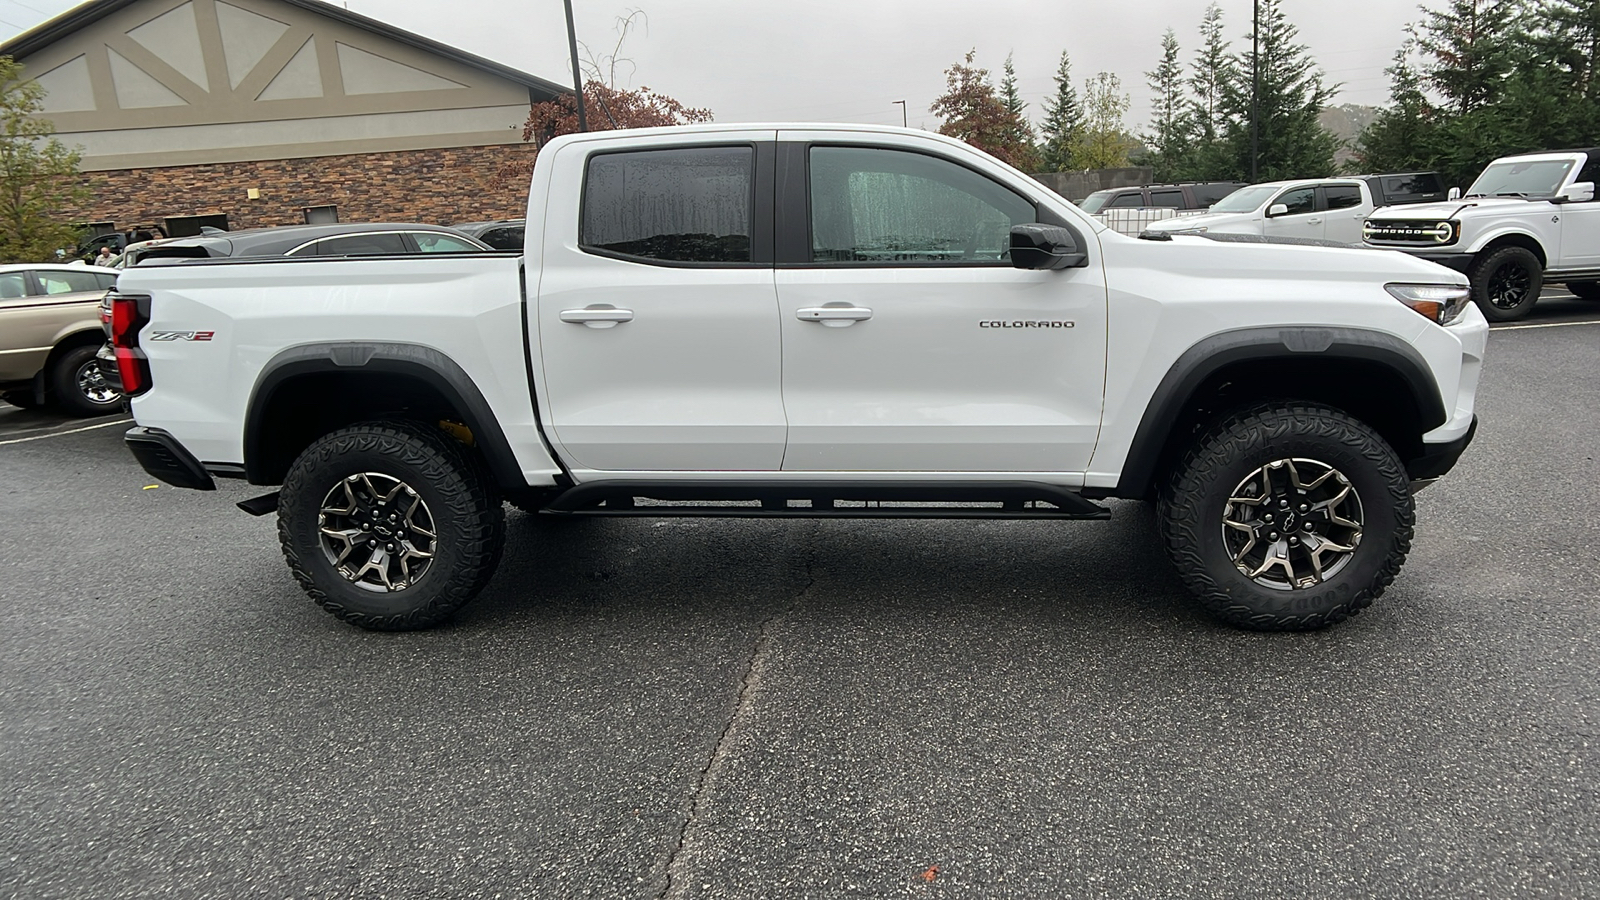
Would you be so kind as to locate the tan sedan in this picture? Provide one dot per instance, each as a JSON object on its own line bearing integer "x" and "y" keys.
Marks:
{"x": 49, "y": 334}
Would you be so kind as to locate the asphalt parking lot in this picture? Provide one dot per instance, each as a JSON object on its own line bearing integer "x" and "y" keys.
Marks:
{"x": 743, "y": 708}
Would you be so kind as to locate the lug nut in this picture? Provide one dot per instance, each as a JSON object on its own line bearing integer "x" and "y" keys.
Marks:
{"x": 1272, "y": 536}
{"x": 1283, "y": 504}
{"x": 1311, "y": 526}
{"x": 389, "y": 547}
{"x": 1304, "y": 507}
{"x": 1293, "y": 541}
{"x": 1267, "y": 517}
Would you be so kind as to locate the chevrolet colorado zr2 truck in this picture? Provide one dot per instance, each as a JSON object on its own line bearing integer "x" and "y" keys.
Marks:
{"x": 810, "y": 321}
{"x": 1528, "y": 219}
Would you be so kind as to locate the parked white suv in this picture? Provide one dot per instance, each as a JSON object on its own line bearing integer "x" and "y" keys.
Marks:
{"x": 1326, "y": 209}
{"x": 1526, "y": 220}
{"x": 810, "y": 321}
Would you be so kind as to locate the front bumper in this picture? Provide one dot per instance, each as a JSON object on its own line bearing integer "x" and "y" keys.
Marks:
{"x": 163, "y": 457}
{"x": 1450, "y": 259}
{"x": 1437, "y": 459}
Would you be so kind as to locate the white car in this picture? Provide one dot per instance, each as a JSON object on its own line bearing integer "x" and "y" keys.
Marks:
{"x": 1326, "y": 209}
{"x": 810, "y": 321}
{"x": 1526, "y": 220}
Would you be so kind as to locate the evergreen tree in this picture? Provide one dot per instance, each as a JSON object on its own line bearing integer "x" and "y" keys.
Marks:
{"x": 1171, "y": 125}
{"x": 1402, "y": 137}
{"x": 1290, "y": 95}
{"x": 1101, "y": 142}
{"x": 1212, "y": 75}
{"x": 38, "y": 174}
{"x": 1021, "y": 135}
{"x": 1470, "y": 43}
{"x": 1062, "y": 119}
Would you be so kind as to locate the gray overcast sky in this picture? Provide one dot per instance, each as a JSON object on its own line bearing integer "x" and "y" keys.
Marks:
{"x": 847, "y": 60}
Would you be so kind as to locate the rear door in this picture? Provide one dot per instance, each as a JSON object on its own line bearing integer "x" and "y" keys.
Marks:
{"x": 657, "y": 317}
{"x": 910, "y": 343}
{"x": 1345, "y": 209}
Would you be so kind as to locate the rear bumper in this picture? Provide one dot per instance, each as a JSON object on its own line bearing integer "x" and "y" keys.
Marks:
{"x": 1437, "y": 459}
{"x": 163, "y": 457}
{"x": 107, "y": 361}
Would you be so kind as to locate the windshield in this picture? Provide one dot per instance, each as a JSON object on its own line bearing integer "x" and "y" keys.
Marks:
{"x": 1521, "y": 179}
{"x": 1092, "y": 203}
{"x": 1245, "y": 199}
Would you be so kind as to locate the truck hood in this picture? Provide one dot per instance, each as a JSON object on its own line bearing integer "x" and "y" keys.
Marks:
{"x": 1450, "y": 209}
{"x": 1273, "y": 260}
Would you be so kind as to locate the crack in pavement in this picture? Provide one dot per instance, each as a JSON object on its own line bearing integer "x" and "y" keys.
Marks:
{"x": 676, "y": 880}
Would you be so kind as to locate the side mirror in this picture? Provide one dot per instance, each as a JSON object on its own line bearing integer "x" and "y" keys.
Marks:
{"x": 1581, "y": 192}
{"x": 1278, "y": 209}
{"x": 1039, "y": 246}
{"x": 1455, "y": 194}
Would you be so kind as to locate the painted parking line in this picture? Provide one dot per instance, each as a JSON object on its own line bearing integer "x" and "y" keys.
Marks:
{"x": 40, "y": 437}
{"x": 1544, "y": 325}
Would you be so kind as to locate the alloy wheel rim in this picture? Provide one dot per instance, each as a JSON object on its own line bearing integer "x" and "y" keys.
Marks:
{"x": 93, "y": 385}
{"x": 1508, "y": 286}
{"x": 1292, "y": 524}
{"x": 377, "y": 532}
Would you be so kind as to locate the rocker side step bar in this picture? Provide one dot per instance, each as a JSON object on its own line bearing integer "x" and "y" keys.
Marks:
{"x": 822, "y": 500}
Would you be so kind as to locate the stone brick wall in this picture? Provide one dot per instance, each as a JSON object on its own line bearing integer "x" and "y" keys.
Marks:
{"x": 435, "y": 186}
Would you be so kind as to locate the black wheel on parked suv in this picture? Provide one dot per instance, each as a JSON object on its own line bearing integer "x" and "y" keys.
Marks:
{"x": 1288, "y": 517}
{"x": 1585, "y": 290}
{"x": 1506, "y": 283}
{"x": 391, "y": 526}
{"x": 78, "y": 388}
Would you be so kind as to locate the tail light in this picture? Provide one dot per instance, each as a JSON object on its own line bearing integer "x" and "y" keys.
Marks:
{"x": 128, "y": 315}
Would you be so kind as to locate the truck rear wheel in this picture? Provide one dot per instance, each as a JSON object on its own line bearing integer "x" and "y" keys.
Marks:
{"x": 1506, "y": 283}
{"x": 391, "y": 526}
{"x": 1287, "y": 517}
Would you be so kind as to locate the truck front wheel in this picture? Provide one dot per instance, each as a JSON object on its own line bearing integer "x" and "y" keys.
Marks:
{"x": 1287, "y": 517}
{"x": 1506, "y": 283}
{"x": 391, "y": 526}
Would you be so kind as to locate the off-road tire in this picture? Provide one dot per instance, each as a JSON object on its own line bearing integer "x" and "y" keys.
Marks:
{"x": 1191, "y": 508}
{"x": 1501, "y": 263}
{"x": 463, "y": 500}
{"x": 66, "y": 392}
{"x": 1585, "y": 290}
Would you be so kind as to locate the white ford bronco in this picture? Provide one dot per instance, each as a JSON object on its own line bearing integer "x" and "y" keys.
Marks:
{"x": 1528, "y": 219}
{"x": 810, "y": 321}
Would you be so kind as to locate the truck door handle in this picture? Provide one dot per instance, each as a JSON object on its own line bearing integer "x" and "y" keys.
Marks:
{"x": 1314, "y": 221}
{"x": 600, "y": 315}
{"x": 833, "y": 316}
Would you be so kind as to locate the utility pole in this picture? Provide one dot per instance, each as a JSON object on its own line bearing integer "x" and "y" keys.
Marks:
{"x": 577, "y": 76}
{"x": 903, "y": 120}
{"x": 1255, "y": 79}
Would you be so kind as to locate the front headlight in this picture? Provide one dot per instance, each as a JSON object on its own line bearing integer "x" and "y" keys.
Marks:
{"x": 1440, "y": 303}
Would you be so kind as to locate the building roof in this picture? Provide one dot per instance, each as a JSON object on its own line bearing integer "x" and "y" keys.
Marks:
{"x": 39, "y": 37}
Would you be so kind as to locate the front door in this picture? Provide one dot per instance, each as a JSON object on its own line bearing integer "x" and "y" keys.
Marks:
{"x": 657, "y": 318}
{"x": 910, "y": 343}
{"x": 1301, "y": 221}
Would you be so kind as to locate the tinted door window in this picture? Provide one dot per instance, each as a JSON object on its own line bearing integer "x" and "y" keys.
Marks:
{"x": 1299, "y": 200}
{"x": 106, "y": 281}
{"x": 13, "y": 285}
{"x": 684, "y": 205}
{"x": 434, "y": 242}
{"x": 67, "y": 282}
{"x": 1342, "y": 196}
{"x": 1167, "y": 199}
{"x": 1134, "y": 200}
{"x": 361, "y": 245}
{"x": 877, "y": 206}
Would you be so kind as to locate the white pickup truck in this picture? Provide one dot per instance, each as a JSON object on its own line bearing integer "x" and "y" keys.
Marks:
{"x": 810, "y": 321}
{"x": 1527, "y": 219}
{"x": 1318, "y": 209}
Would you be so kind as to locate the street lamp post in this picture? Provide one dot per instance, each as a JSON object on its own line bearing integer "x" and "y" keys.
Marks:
{"x": 1255, "y": 79}
{"x": 904, "y": 122}
{"x": 577, "y": 75}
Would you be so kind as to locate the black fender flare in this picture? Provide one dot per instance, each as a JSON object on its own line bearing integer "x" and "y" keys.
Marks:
{"x": 1210, "y": 355}
{"x": 423, "y": 363}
